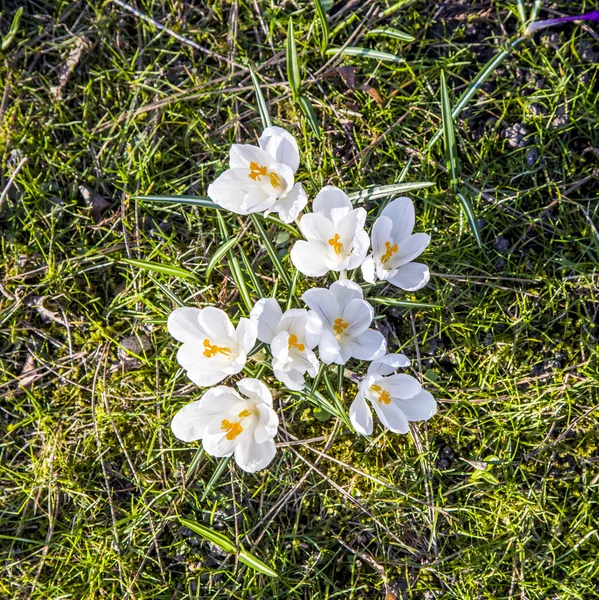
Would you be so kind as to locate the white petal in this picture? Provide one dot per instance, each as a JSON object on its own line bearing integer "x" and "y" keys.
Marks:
{"x": 332, "y": 202}
{"x": 419, "y": 408}
{"x": 267, "y": 314}
{"x": 361, "y": 416}
{"x": 314, "y": 328}
{"x": 329, "y": 350}
{"x": 385, "y": 365}
{"x": 316, "y": 227}
{"x": 411, "y": 248}
{"x": 358, "y": 315}
{"x": 255, "y": 390}
{"x": 324, "y": 303}
{"x": 286, "y": 180}
{"x": 268, "y": 423}
{"x": 392, "y": 417}
{"x": 291, "y": 205}
{"x": 402, "y": 386}
{"x": 246, "y": 333}
{"x": 280, "y": 350}
{"x": 190, "y": 423}
{"x": 411, "y": 277}
{"x": 361, "y": 245}
{"x": 242, "y": 155}
{"x": 281, "y": 145}
{"x": 344, "y": 291}
{"x": 216, "y": 322}
{"x": 401, "y": 212}
{"x": 183, "y": 324}
{"x": 252, "y": 457}
{"x": 215, "y": 440}
{"x": 368, "y": 271}
{"x": 381, "y": 233}
{"x": 294, "y": 321}
{"x": 308, "y": 258}
{"x": 292, "y": 379}
{"x": 368, "y": 345}
{"x": 256, "y": 200}
{"x": 228, "y": 191}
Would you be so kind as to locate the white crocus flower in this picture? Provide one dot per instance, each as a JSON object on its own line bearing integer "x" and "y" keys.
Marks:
{"x": 212, "y": 348}
{"x": 397, "y": 399}
{"x": 335, "y": 236}
{"x": 394, "y": 247}
{"x": 262, "y": 178}
{"x": 229, "y": 424}
{"x": 346, "y": 318}
{"x": 291, "y": 335}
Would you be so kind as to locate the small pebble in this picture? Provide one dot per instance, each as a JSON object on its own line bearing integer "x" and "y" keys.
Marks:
{"x": 515, "y": 135}
{"x": 135, "y": 344}
{"x": 532, "y": 156}
{"x": 502, "y": 244}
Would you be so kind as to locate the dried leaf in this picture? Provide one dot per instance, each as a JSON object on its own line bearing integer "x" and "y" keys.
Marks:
{"x": 372, "y": 92}
{"x": 348, "y": 74}
{"x": 94, "y": 201}
{"x": 70, "y": 65}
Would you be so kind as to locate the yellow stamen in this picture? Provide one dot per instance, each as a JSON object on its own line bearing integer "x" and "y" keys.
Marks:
{"x": 294, "y": 344}
{"x": 340, "y": 326}
{"x": 213, "y": 350}
{"x": 391, "y": 250}
{"x": 258, "y": 171}
{"x": 336, "y": 244}
{"x": 384, "y": 395}
{"x": 233, "y": 429}
{"x": 244, "y": 413}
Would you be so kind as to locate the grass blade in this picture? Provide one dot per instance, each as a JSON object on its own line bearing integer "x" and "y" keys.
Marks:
{"x": 160, "y": 268}
{"x": 229, "y": 546}
{"x": 366, "y": 52}
{"x": 472, "y": 220}
{"x": 252, "y": 275}
{"x": 218, "y": 255}
{"x": 262, "y": 106}
{"x": 236, "y": 271}
{"x": 293, "y": 72}
{"x": 475, "y": 85}
{"x": 392, "y": 33}
{"x": 451, "y": 154}
{"x": 521, "y": 13}
{"x": 12, "y": 32}
{"x": 220, "y": 469}
{"x": 204, "y": 202}
{"x": 381, "y": 191}
{"x": 322, "y": 17}
{"x": 401, "y": 303}
{"x": 271, "y": 251}
{"x": 309, "y": 113}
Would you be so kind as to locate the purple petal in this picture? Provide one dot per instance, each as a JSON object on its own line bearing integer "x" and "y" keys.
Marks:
{"x": 590, "y": 16}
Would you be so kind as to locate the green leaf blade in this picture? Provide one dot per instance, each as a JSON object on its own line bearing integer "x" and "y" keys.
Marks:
{"x": 382, "y": 191}
{"x": 228, "y": 545}
{"x": 392, "y": 33}
{"x": 262, "y": 106}
{"x": 164, "y": 269}
{"x": 367, "y": 53}
{"x": 293, "y": 72}
{"x": 322, "y": 17}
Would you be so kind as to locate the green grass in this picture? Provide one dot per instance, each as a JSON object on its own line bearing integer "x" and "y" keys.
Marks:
{"x": 91, "y": 479}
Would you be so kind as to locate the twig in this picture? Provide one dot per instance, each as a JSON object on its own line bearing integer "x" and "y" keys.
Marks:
{"x": 12, "y": 180}
{"x": 182, "y": 39}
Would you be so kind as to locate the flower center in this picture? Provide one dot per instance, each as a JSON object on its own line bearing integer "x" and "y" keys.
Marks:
{"x": 336, "y": 244}
{"x": 213, "y": 350}
{"x": 390, "y": 251}
{"x": 384, "y": 397}
{"x": 293, "y": 343}
{"x": 258, "y": 171}
{"x": 340, "y": 326}
{"x": 234, "y": 428}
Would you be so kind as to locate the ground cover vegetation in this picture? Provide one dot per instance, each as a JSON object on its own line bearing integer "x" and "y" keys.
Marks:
{"x": 495, "y": 496}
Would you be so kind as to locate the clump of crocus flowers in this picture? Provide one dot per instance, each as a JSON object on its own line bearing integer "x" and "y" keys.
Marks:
{"x": 334, "y": 327}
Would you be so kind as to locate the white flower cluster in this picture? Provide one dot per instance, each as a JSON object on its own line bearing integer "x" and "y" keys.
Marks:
{"x": 337, "y": 322}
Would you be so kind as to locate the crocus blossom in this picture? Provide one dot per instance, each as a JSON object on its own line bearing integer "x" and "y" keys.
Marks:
{"x": 231, "y": 424}
{"x": 335, "y": 236}
{"x": 346, "y": 318}
{"x": 590, "y": 16}
{"x": 292, "y": 335}
{"x": 261, "y": 178}
{"x": 394, "y": 247}
{"x": 212, "y": 348}
{"x": 397, "y": 399}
